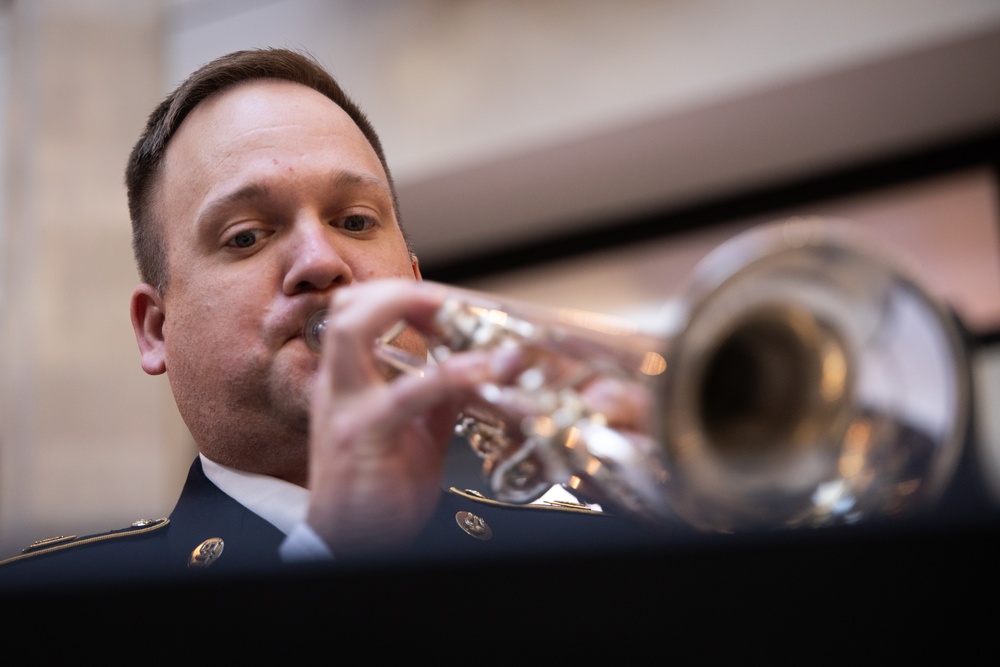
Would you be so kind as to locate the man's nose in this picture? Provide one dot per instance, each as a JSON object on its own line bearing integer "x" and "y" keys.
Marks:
{"x": 315, "y": 263}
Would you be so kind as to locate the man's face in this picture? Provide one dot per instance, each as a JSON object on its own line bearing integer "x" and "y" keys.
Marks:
{"x": 270, "y": 199}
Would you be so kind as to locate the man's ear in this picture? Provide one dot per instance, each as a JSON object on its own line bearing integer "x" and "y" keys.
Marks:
{"x": 148, "y": 316}
{"x": 415, "y": 264}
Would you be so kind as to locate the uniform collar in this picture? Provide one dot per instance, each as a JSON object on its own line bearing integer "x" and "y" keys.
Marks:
{"x": 278, "y": 502}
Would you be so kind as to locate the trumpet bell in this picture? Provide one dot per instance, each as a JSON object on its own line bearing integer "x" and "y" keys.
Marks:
{"x": 814, "y": 382}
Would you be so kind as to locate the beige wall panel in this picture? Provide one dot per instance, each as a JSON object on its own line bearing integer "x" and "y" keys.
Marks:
{"x": 87, "y": 441}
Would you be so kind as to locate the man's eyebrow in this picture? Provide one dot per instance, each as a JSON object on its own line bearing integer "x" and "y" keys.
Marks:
{"x": 257, "y": 191}
{"x": 219, "y": 205}
{"x": 353, "y": 179}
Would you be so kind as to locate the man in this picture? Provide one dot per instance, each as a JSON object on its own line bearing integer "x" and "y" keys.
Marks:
{"x": 260, "y": 194}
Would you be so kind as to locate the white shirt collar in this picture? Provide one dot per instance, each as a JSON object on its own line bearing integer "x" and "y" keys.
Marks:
{"x": 280, "y": 503}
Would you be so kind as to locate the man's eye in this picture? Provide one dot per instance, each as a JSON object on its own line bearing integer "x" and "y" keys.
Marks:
{"x": 244, "y": 239}
{"x": 357, "y": 223}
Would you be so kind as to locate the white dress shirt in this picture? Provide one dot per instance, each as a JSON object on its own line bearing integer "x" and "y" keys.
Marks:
{"x": 280, "y": 503}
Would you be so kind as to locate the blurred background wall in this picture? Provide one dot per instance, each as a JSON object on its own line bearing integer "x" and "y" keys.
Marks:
{"x": 513, "y": 127}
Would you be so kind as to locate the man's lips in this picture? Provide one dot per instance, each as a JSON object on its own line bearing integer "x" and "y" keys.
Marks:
{"x": 293, "y": 324}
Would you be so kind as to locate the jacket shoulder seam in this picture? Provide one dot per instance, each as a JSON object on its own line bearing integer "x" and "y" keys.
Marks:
{"x": 63, "y": 545}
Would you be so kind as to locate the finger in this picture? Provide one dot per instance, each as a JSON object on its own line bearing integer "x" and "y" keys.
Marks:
{"x": 625, "y": 404}
{"x": 441, "y": 391}
{"x": 362, "y": 313}
{"x": 369, "y": 309}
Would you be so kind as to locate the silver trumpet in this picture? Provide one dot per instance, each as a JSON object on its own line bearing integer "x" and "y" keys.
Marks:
{"x": 808, "y": 381}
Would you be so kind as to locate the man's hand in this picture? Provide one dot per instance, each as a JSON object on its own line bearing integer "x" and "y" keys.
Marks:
{"x": 377, "y": 446}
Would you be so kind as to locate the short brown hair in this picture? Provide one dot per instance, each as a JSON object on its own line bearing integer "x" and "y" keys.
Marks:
{"x": 146, "y": 159}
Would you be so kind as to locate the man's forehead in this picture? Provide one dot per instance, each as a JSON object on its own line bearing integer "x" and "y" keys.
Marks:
{"x": 261, "y": 102}
{"x": 249, "y": 115}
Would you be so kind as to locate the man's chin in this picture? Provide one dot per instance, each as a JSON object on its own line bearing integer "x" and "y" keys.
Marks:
{"x": 291, "y": 391}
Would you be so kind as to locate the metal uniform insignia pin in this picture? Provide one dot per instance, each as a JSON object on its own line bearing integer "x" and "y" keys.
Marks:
{"x": 473, "y": 525}
{"x": 206, "y": 553}
{"x": 48, "y": 542}
{"x": 568, "y": 505}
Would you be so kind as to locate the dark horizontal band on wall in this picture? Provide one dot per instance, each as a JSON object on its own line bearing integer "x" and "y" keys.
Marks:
{"x": 977, "y": 150}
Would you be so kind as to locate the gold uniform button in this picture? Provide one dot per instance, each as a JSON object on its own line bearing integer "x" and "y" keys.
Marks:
{"x": 473, "y": 525}
{"x": 206, "y": 553}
